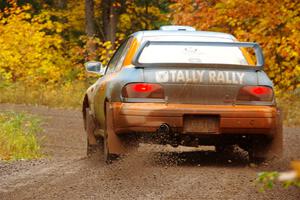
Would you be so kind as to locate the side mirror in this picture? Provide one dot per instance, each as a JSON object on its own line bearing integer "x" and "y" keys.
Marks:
{"x": 95, "y": 67}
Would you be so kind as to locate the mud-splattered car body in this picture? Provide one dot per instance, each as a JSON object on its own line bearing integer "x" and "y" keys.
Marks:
{"x": 172, "y": 87}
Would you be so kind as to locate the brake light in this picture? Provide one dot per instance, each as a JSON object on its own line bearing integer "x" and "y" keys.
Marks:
{"x": 260, "y": 90}
{"x": 255, "y": 93}
{"x": 143, "y": 90}
{"x": 142, "y": 87}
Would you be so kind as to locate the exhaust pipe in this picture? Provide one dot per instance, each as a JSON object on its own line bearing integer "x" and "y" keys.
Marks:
{"x": 164, "y": 129}
{"x": 167, "y": 136}
{"x": 163, "y": 133}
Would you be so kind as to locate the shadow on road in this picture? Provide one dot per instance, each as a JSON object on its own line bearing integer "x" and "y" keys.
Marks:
{"x": 201, "y": 158}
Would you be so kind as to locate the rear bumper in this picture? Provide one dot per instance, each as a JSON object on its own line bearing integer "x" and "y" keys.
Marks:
{"x": 147, "y": 117}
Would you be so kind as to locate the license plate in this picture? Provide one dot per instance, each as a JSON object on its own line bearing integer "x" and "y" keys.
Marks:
{"x": 201, "y": 124}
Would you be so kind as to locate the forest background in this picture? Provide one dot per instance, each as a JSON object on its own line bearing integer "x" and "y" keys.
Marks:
{"x": 44, "y": 43}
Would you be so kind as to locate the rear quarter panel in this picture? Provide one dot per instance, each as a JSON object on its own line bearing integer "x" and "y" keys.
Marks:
{"x": 110, "y": 89}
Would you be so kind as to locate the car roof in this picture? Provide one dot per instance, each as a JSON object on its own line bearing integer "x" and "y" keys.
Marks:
{"x": 157, "y": 33}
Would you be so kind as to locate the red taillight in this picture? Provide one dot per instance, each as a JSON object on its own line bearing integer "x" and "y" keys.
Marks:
{"x": 143, "y": 90}
{"x": 260, "y": 90}
{"x": 255, "y": 93}
{"x": 142, "y": 87}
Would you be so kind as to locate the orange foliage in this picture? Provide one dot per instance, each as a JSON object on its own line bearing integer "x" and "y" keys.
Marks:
{"x": 274, "y": 24}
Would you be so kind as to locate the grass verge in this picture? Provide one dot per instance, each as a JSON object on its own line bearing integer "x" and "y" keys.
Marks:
{"x": 68, "y": 95}
{"x": 18, "y": 136}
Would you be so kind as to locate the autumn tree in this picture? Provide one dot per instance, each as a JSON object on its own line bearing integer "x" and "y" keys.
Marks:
{"x": 64, "y": 34}
{"x": 90, "y": 26}
{"x": 144, "y": 15}
{"x": 111, "y": 10}
{"x": 127, "y": 16}
{"x": 32, "y": 49}
{"x": 61, "y": 4}
{"x": 274, "y": 24}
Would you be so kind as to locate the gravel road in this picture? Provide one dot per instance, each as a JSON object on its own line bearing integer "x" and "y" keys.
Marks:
{"x": 151, "y": 173}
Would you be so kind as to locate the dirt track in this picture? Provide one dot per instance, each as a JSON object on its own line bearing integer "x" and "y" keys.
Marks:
{"x": 151, "y": 173}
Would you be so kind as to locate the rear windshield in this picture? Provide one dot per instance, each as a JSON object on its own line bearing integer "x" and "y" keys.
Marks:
{"x": 192, "y": 54}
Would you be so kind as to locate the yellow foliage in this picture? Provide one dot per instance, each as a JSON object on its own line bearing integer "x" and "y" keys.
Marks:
{"x": 103, "y": 51}
{"x": 140, "y": 17}
{"x": 31, "y": 47}
{"x": 34, "y": 50}
{"x": 50, "y": 46}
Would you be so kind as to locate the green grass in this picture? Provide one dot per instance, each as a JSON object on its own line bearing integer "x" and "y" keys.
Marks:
{"x": 267, "y": 180}
{"x": 18, "y": 136}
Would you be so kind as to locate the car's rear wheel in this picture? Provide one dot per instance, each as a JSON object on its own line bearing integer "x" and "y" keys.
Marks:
{"x": 253, "y": 158}
{"x": 108, "y": 157}
{"x": 91, "y": 149}
{"x": 108, "y": 132}
{"x": 257, "y": 151}
{"x": 99, "y": 144}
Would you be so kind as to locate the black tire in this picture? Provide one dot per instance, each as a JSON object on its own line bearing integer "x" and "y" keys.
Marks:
{"x": 254, "y": 152}
{"x": 253, "y": 158}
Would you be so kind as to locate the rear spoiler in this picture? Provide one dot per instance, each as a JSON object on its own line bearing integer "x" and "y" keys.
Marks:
{"x": 257, "y": 49}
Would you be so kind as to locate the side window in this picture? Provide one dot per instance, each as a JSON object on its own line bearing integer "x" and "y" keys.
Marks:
{"x": 123, "y": 55}
{"x": 115, "y": 60}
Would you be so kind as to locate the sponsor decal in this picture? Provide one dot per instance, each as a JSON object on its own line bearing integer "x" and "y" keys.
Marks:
{"x": 199, "y": 76}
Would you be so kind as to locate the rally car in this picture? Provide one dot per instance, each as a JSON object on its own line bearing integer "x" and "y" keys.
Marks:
{"x": 179, "y": 86}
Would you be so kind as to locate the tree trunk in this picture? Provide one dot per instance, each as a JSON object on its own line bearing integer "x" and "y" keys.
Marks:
{"x": 90, "y": 28}
{"x": 110, "y": 20}
{"x": 61, "y": 4}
